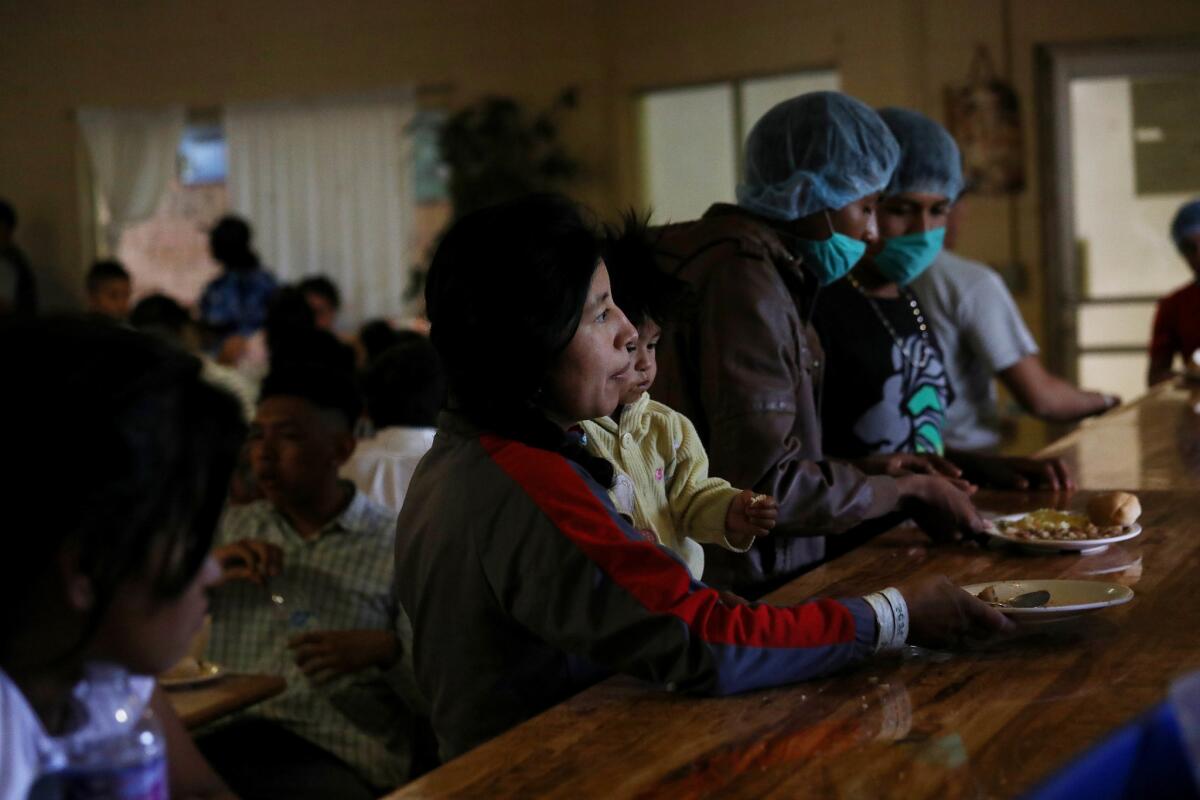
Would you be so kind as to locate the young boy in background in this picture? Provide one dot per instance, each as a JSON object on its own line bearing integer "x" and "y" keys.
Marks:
{"x": 662, "y": 480}
{"x": 108, "y": 290}
{"x": 307, "y": 593}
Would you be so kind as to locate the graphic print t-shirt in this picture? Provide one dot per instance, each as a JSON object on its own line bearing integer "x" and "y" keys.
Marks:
{"x": 880, "y": 396}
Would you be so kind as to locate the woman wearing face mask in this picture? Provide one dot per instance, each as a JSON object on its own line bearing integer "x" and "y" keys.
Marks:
{"x": 888, "y": 390}
{"x": 522, "y": 581}
{"x": 747, "y": 368}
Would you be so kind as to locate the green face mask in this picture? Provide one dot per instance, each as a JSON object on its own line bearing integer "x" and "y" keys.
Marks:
{"x": 831, "y": 259}
{"x": 905, "y": 257}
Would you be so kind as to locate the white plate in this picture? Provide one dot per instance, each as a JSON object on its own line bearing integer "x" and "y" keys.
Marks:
{"x": 1067, "y": 598}
{"x": 207, "y": 673}
{"x": 1082, "y": 546}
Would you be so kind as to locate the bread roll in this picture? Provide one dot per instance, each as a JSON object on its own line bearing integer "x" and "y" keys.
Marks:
{"x": 1114, "y": 508}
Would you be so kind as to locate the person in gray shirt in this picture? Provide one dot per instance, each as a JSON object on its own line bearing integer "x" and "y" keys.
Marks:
{"x": 983, "y": 337}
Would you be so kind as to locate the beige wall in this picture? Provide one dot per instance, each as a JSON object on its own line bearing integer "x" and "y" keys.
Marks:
{"x": 59, "y": 54}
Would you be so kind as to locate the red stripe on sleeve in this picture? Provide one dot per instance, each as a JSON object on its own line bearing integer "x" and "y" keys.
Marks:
{"x": 656, "y": 580}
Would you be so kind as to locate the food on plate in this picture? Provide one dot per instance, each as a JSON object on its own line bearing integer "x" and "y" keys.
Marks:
{"x": 1114, "y": 508}
{"x": 988, "y": 595}
{"x": 1049, "y": 525}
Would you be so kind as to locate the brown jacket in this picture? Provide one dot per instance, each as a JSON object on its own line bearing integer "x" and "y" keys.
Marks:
{"x": 746, "y": 369}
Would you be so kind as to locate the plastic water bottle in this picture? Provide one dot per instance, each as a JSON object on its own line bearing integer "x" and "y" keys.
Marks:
{"x": 119, "y": 752}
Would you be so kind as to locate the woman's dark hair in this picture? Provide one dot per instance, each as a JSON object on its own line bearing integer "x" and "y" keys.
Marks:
{"x": 406, "y": 386}
{"x": 640, "y": 289}
{"x": 229, "y": 241}
{"x": 115, "y": 447}
{"x": 505, "y": 294}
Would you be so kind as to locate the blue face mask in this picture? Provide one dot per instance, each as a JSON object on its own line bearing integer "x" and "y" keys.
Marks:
{"x": 830, "y": 259}
{"x": 905, "y": 257}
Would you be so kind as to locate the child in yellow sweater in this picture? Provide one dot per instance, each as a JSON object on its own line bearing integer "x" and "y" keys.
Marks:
{"x": 662, "y": 480}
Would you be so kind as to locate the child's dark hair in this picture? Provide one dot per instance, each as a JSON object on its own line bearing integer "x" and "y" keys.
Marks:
{"x": 151, "y": 445}
{"x": 640, "y": 289}
{"x": 160, "y": 315}
{"x": 325, "y": 387}
{"x": 321, "y": 286}
{"x": 293, "y": 337}
{"x": 104, "y": 271}
{"x": 406, "y": 385}
{"x": 377, "y": 336}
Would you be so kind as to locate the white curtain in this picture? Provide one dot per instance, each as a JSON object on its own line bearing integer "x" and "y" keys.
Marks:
{"x": 325, "y": 186}
{"x": 133, "y": 155}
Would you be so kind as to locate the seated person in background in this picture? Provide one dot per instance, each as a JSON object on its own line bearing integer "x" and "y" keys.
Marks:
{"x": 324, "y": 299}
{"x": 118, "y": 575}
{"x": 662, "y": 480}
{"x": 18, "y": 290}
{"x": 108, "y": 290}
{"x": 307, "y": 595}
{"x": 887, "y": 390}
{"x": 404, "y": 390}
{"x": 234, "y": 305}
{"x": 159, "y": 315}
{"x": 1177, "y": 321}
{"x": 523, "y": 582}
{"x": 378, "y": 335}
{"x": 983, "y": 337}
{"x": 291, "y": 335}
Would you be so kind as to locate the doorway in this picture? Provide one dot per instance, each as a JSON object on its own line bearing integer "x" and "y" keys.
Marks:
{"x": 1121, "y": 153}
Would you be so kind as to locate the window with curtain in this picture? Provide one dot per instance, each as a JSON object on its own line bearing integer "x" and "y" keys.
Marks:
{"x": 326, "y": 186}
{"x": 691, "y": 137}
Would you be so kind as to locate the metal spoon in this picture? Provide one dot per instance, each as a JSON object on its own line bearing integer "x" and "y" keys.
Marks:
{"x": 1027, "y": 600}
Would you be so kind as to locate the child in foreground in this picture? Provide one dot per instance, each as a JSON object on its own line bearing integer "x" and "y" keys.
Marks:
{"x": 662, "y": 480}
{"x": 113, "y": 585}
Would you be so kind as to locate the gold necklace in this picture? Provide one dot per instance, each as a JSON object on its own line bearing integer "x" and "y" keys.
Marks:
{"x": 922, "y": 327}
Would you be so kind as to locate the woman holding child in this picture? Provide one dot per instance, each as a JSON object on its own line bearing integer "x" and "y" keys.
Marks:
{"x": 522, "y": 581}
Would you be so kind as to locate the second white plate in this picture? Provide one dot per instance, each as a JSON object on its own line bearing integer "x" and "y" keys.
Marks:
{"x": 1067, "y": 598}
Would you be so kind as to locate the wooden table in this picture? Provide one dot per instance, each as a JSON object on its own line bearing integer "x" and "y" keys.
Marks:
{"x": 200, "y": 705}
{"x": 991, "y": 721}
{"x": 1152, "y": 443}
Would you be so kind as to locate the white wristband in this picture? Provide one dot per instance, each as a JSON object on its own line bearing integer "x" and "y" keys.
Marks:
{"x": 885, "y": 620}
{"x": 900, "y": 611}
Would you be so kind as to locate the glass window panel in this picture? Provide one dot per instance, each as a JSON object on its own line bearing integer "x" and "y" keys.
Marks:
{"x": 1115, "y": 324}
{"x": 688, "y": 150}
{"x": 1125, "y": 247}
{"x": 760, "y": 94}
{"x": 1122, "y": 374}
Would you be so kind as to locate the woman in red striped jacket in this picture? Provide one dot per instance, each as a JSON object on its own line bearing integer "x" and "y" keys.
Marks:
{"x": 522, "y": 582}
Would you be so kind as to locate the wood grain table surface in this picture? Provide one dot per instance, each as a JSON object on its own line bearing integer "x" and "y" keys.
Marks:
{"x": 1151, "y": 443}
{"x": 200, "y": 705}
{"x": 988, "y": 721}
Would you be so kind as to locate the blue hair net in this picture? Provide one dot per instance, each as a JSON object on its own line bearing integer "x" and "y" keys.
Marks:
{"x": 1186, "y": 222}
{"x": 929, "y": 159}
{"x": 818, "y": 151}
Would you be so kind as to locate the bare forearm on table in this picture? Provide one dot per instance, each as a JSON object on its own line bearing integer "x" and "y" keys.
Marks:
{"x": 1048, "y": 396}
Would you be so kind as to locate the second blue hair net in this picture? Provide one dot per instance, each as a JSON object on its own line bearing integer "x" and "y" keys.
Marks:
{"x": 1186, "y": 222}
{"x": 819, "y": 151}
{"x": 929, "y": 159}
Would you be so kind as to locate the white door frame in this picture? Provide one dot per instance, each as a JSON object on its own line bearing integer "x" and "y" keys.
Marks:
{"x": 1057, "y": 65}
